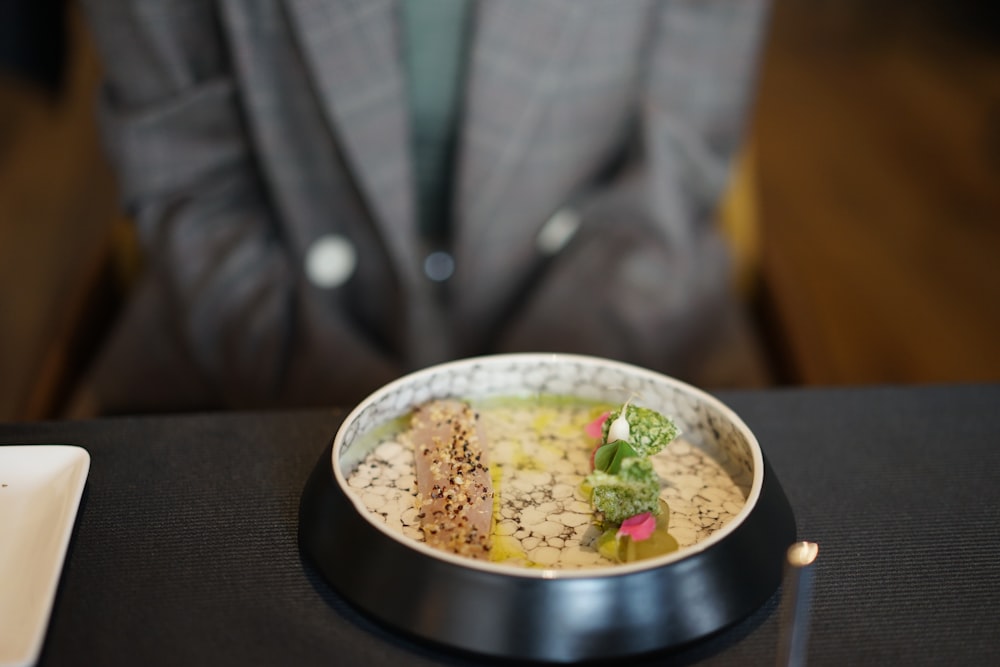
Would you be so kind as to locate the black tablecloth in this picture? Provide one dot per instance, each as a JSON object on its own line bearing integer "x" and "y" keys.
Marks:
{"x": 185, "y": 549}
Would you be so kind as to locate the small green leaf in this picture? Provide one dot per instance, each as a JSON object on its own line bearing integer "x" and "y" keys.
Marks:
{"x": 624, "y": 451}
{"x": 605, "y": 454}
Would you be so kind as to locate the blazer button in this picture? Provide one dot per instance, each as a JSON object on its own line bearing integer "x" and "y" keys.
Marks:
{"x": 330, "y": 261}
{"x": 557, "y": 231}
{"x": 439, "y": 266}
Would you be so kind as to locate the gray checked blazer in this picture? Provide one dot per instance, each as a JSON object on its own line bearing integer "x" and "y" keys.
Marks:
{"x": 263, "y": 151}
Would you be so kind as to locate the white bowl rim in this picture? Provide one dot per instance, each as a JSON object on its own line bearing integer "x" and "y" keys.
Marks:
{"x": 555, "y": 573}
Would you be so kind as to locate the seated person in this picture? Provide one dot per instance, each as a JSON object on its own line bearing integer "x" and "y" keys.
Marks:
{"x": 330, "y": 194}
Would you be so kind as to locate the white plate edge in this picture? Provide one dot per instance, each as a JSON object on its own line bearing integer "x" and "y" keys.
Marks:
{"x": 80, "y": 467}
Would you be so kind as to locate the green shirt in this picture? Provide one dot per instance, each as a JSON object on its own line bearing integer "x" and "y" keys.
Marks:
{"x": 434, "y": 34}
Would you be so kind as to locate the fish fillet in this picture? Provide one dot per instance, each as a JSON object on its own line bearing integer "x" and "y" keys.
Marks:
{"x": 454, "y": 489}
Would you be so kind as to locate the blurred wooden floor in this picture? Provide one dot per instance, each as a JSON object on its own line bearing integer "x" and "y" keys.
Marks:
{"x": 878, "y": 145}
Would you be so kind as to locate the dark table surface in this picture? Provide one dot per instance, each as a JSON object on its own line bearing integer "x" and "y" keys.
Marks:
{"x": 185, "y": 549}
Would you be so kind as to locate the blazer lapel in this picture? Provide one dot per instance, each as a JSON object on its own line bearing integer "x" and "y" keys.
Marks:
{"x": 518, "y": 50}
{"x": 352, "y": 50}
{"x": 515, "y": 56}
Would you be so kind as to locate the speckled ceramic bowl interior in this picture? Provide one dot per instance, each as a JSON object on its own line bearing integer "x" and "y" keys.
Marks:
{"x": 728, "y": 513}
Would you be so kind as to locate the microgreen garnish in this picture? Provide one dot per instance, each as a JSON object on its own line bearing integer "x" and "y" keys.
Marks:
{"x": 650, "y": 431}
{"x": 623, "y": 487}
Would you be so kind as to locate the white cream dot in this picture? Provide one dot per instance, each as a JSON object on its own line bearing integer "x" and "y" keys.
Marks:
{"x": 547, "y": 529}
{"x": 389, "y": 450}
{"x": 531, "y": 517}
{"x": 545, "y": 555}
{"x": 571, "y": 519}
{"x": 506, "y": 528}
{"x": 562, "y": 491}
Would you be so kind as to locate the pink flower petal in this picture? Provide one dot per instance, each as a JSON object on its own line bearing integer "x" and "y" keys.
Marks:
{"x": 638, "y": 527}
{"x": 593, "y": 454}
{"x": 595, "y": 428}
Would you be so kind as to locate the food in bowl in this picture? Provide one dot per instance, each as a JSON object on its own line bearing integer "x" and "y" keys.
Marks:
{"x": 547, "y": 600}
{"x": 562, "y": 491}
{"x": 453, "y": 490}
{"x": 623, "y": 487}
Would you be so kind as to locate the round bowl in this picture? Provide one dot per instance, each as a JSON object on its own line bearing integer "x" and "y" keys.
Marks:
{"x": 719, "y": 575}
